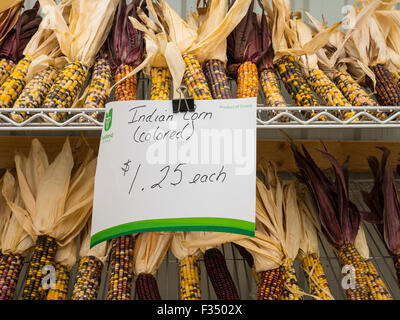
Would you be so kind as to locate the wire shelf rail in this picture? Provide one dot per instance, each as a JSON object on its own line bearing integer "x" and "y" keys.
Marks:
{"x": 89, "y": 119}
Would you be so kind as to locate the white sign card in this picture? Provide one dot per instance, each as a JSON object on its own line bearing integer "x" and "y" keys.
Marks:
{"x": 186, "y": 171}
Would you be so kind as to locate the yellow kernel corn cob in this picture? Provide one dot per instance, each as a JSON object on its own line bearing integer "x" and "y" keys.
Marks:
{"x": 126, "y": 90}
{"x": 316, "y": 277}
{"x": 160, "y": 84}
{"x": 189, "y": 271}
{"x": 14, "y": 84}
{"x": 87, "y": 279}
{"x": 34, "y": 92}
{"x": 378, "y": 288}
{"x": 6, "y": 67}
{"x": 60, "y": 292}
{"x": 295, "y": 83}
{"x": 291, "y": 283}
{"x": 195, "y": 79}
{"x": 353, "y": 92}
{"x": 98, "y": 88}
{"x": 43, "y": 255}
{"x": 270, "y": 87}
{"x": 247, "y": 80}
{"x": 272, "y": 284}
{"x": 66, "y": 88}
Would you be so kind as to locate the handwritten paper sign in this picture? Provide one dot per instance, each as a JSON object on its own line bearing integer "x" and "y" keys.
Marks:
{"x": 187, "y": 171}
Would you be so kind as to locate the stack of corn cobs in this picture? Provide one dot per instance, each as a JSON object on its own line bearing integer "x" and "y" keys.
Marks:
{"x": 318, "y": 65}
{"x": 227, "y": 41}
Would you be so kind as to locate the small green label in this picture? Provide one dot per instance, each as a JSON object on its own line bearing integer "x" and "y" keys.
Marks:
{"x": 108, "y": 120}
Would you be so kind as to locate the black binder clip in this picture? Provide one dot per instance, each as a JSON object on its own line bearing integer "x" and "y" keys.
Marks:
{"x": 182, "y": 104}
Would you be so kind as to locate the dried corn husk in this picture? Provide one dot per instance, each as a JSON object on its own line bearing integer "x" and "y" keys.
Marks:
{"x": 179, "y": 250}
{"x": 100, "y": 251}
{"x": 66, "y": 255}
{"x": 361, "y": 244}
{"x": 284, "y": 38}
{"x": 150, "y": 250}
{"x": 8, "y": 19}
{"x": 82, "y": 36}
{"x": 24, "y": 34}
{"x": 7, "y": 4}
{"x": 14, "y": 239}
{"x": 56, "y": 203}
{"x": 217, "y": 23}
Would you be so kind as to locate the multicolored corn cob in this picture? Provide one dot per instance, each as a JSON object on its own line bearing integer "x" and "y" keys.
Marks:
{"x": 126, "y": 90}
{"x": 378, "y": 288}
{"x": 14, "y": 84}
{"x": 43, "y": 255}
{"x": 272, "y": 284}
{"x": 396, "y": 76}
{"x": 98, "y": 88}
{"x": 87, "y": 279}
{"x": 194, "y": 79}
{"x": 34, "y": 92}
{"x": 291, "y": 283}
{"x": 247, "y": 80}
{"x": 10, "y": 268}
{"x": 316, "y": 278}
{"x": 218, "y": 82}
{"x": 396, "y": 261}
{"x": 349, "y": 255}
{"x": 60, "y": 292}
{"x": 147, "y": 287}
{"x": 219, "y": 275}
{"x": 295, "y": 83}
{"x": 270, "y": 87}
{"x": 387, "y": 90}
{"x": 160, "y": 84}
{"x": 66, "y": 88}
{"x": 353, "y": 92}
{"x": 6, "y": 67}
{"x": 189, "y": 272}
{"x": 121, "y": 268}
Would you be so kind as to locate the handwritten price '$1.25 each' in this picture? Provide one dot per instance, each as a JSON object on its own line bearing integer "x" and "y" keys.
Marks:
{"x": 173, "y": 175}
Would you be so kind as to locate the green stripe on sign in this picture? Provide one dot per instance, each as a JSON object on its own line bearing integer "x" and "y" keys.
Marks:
{"x": 179, "y": 224}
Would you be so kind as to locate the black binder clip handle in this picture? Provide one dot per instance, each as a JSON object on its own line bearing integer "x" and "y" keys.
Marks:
{"x": 183, "y": 104}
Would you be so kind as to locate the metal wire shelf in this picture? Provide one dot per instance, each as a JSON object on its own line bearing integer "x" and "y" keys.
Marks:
{"x": 81, "y": 119}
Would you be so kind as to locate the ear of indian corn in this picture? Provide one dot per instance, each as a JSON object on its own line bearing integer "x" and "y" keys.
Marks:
{"x": 60, "y": 291}
{"x": 34, "y": 92}
{"x": 147, "y": 287}
{"x": 195, "y": 79}
{"x": 87, "y": 279}
{"x": 295, "y": 83}
{"x": 352, "y": 90}
{"x": 316, "y": 278}
{"x": 270, "y": 87}
{"x": 121, "y": 270}
{"x": 6, "y": 67}
{"x": 219, "y": 275}
{"x": 387, "y": 90}
{"x": 349, "y": 255}
{"x": 43, "y": 255}
{"x": 189, "y": 278}
{"x": 160, "y": 84}
{"x": 10, "y": 267}
{"x": 14, "y": 84}
{"x": 126, "y": 90}
{"x": 247, "y": 80}
{"x": 98, "y": 87}
{"x": 291, "y": 283}
{"x": 214, "y": 71}
{"x": 272, "y": 284}
{"x": 378, "y": 288}
{"x": 66, "y": 88}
